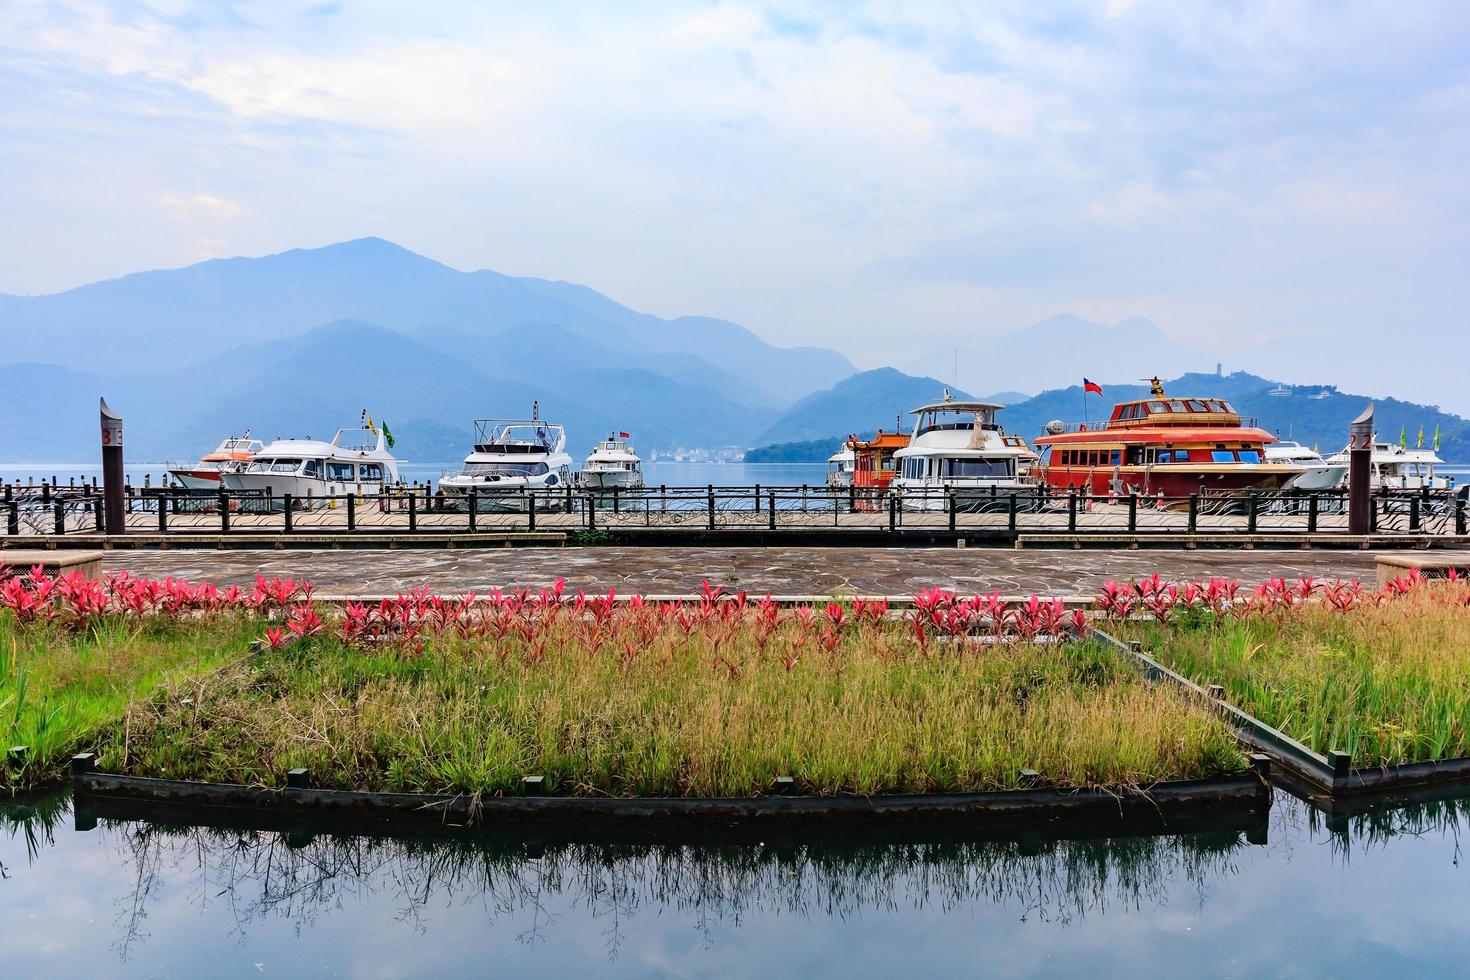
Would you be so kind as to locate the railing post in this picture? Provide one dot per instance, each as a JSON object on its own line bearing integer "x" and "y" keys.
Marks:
{"x": 472, "y": 502}
{"x": 1251, "y": 502}
{"x": 1133, "y": 513}
{"x": 771, "y": 512}
{"x": 617, "y": 506}
{"x": 1373, "y": 503}
{"x": 352, "y": 512}
{"x": 224, "y": 512}
{"x": 530, "y": 510}
{"x": 1072, "y": 511}
{"x": 97, "y": 514}
{"x": 892, "y": 512}
{"x": 711, "y": 508}
{"x": 589, "y": 503}
{"x": 1413, "y": 513}
{"x": 45, "y": 493}
{"x": 1459, "y": 515}
{"x": 1011, "y": 512}
{"x": 757, "y": 498}
{"x": 569, "y": 498}
{"x": 413, "y": 512}
{"x": 60, "y": 518}
{"x": 12, "y": 519}
{"x": 1312, "y": 512}
{"x": 162, "y": 513}
{"x": 949, "y": 506}
{"x": 1193, "y": 513}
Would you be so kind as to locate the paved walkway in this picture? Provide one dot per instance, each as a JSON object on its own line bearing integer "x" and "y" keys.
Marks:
{"x": 824, "y": 571}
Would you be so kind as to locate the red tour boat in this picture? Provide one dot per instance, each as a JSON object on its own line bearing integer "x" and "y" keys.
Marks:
{"x": 1173, "y": 446}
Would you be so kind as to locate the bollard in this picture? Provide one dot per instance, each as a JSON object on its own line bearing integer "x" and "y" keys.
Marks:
{"x": 351, "y": 512}
{"x": 288, "y": 504}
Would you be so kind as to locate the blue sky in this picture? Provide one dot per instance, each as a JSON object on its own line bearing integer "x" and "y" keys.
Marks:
{"x": 882, "y": 178}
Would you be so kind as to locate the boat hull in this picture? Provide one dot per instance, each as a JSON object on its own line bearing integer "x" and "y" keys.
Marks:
{"x": 199, "y": 479}
{"x": 622, "y": 479}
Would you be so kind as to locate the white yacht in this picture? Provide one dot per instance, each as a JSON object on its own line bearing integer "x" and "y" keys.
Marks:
{"x": 1292, "y": 453}
{"x": 355, "y": 462}
{"x": 230, "y": 456}
{"x": 958, "y": 448}
{"x": 613, "y": 463}
{"x": 840, "y": 466}
{"x": 511, "y": 456}
{"x": 1391, "y": 467}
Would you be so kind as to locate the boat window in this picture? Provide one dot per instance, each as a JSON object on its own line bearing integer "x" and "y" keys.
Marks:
{"x": 339, "y": 472}
{"x": 1222, "y": 456}
{"x": 1198, "y": 405}
{"x": 275, "y": 466}
{"x": 313, "y": 468}
{"x": 372, "y": 472}
{"x": 977, "y": 467}
{"x": 1176, "y": 405}
{"x": 1249, "y": 456}
{"x": 1115, "y": 457}
{"x": 497, "y": 470}
{"x": 1224, "y": 406}
{"x": 1156, "y": 407}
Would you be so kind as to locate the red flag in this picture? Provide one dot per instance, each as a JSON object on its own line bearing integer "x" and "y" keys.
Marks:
{"x": 1088, "y": 386}
{"x": 624, "y": 435}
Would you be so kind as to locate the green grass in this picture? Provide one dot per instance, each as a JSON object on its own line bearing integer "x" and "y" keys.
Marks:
{"x": 875, "y": 716}
{"x": 60, "y": 690}
{"x": 1390, "y": 685}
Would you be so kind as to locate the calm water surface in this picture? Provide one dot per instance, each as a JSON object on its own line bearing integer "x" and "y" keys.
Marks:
{"x": 1385, "y": 896}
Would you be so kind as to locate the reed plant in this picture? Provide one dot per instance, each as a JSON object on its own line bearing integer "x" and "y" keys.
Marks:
{"x": 1382, "y": 675}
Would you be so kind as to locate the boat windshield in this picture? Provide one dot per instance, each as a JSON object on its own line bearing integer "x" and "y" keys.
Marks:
{"x": 282, "y": 465}
{"x": 976, "y": 467}
{"x": 495, "y": 471}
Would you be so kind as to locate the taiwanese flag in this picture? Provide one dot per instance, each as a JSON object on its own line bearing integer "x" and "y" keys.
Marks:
{"x": 624, "y": 435}
{"x": 1091, "y": 387}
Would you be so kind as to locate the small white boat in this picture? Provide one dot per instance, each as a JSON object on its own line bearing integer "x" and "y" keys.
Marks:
{"x": 230, "y": 456}
{"x": 958, "y": 450}
{"x": 840, "y": 467}
{"x": 1292, "y": 453}
{"x": 612, "y": 463}
{"x": 510, "y": 457}
{"x": 1391, "y": 467}
{"x": 355, "y": 462}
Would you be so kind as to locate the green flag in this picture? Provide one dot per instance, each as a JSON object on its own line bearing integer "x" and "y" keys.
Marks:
{"x": 1404, "y": 437}
{"x": 1436, "y": 437}
{"x": 388, "y": 434}
{"x": 1420, "y": 443}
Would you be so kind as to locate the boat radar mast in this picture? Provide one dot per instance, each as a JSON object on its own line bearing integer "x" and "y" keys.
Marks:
{"x": 1156, "y": 386}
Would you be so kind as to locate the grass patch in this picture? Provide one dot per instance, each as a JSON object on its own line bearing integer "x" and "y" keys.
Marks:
{"x": 699, "y": 713}
{"x": 1388, "y": 681}
{"x": 61, "y": 688}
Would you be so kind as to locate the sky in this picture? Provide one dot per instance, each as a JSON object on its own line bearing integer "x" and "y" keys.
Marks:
{"x": 1280, "y": 178}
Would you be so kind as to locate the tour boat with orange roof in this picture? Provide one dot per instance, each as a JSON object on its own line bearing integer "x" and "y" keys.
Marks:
{"x": 230, "y": 456}
{"x": 1161, "y": 445}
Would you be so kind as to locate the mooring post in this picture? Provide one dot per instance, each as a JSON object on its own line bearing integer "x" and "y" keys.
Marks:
{"x": 112, "y": 468}
{"x": 1360, "y": 455}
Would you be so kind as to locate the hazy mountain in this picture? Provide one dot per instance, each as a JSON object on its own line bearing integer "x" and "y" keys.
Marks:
{"x": 864, "y": 402}
{"x": 1064, "y": 347}
{"x": 313, "y": 384}
{"x": 152, "y": 321}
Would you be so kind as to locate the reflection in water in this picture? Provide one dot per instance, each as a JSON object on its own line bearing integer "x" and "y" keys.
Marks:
{"x": 235, "y": 887}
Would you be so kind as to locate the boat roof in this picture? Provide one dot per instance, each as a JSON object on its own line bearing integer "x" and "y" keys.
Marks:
{"x": 1175, "y": 434}
{"x": 955, "y": 405}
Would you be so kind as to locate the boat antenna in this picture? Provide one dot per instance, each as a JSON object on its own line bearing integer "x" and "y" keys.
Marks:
{"x": 536, "y": 410}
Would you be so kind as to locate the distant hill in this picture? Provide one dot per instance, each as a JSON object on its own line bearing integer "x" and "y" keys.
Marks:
{"x": 155, "y": 321}
{"x": 878, "y": 399}
{"x": 810, "y": 451}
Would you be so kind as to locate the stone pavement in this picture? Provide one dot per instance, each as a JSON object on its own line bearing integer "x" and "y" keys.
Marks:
{"x": 778, "y": 571}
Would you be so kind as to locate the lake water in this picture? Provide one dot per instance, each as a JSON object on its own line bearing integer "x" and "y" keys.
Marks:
{"x": 1385, "y": 897}
{"x": 669, "y": 474}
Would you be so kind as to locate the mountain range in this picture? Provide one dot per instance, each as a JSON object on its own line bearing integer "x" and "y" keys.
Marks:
{"x": 300, "y": 342}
